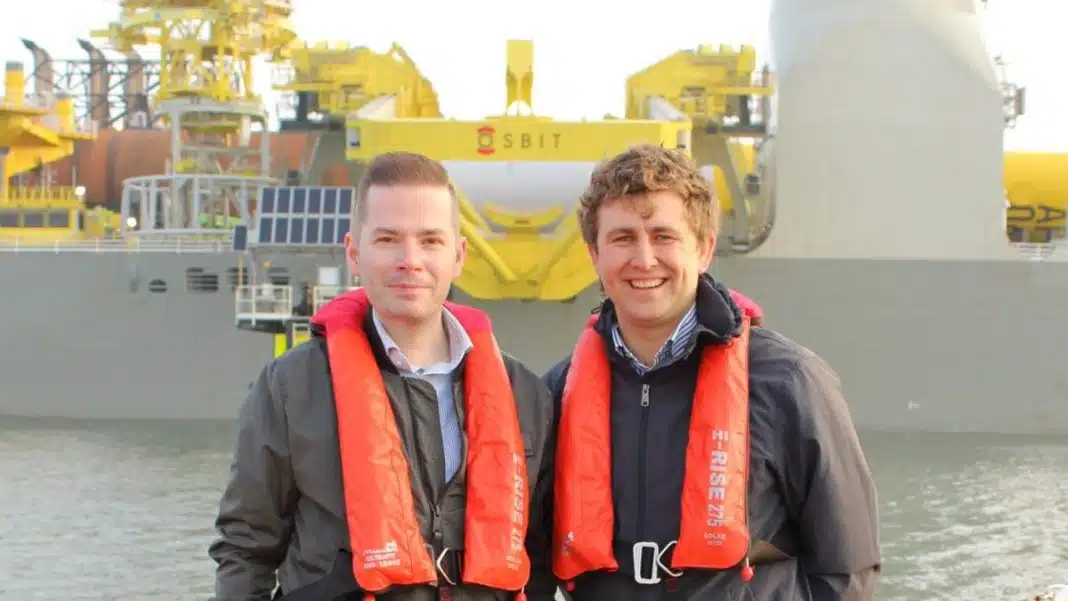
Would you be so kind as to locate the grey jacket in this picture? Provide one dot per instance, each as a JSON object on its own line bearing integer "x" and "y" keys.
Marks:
{"x": 281, "y": 517}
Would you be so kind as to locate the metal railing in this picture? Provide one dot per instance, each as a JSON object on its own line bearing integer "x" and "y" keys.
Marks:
{"x": 110, "y": 245}
{"x": 40, "y": 196}
{"x": 1037, "y": 252}
{"x": 191, "y": 196}
{"x": 263, "y": 302}
{"x": 324, "y": 294}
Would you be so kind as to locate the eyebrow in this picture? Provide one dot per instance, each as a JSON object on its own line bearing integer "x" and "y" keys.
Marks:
{"x": 378, "y": 231}
{"x": 657, "y": 229}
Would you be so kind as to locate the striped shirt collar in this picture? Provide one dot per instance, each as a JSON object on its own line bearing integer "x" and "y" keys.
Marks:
{"x": 674, "y": 348}
{"x": 459, "y": 344}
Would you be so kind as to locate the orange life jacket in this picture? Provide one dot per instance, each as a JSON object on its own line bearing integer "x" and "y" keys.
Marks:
{"x": 387, "y": 545}
{"x": 714, "y": 533}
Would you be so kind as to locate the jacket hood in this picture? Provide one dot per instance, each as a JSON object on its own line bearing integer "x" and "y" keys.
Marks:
{"x": 717, "y": 311}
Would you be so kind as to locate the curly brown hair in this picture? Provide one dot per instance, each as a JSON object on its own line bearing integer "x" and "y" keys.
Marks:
{"x": 649, "y": 168}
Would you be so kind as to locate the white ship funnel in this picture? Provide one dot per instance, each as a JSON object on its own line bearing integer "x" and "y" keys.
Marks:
{"x": 889, "y": 131}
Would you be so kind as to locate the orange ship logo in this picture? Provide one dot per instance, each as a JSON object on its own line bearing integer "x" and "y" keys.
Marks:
{"x": 485, "y": 140}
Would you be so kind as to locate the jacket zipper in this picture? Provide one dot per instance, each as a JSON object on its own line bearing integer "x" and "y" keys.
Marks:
{"x": 438, "y": 526}
{"x": 439, "y": 534}
{"x": 435, "y": 523}
{"x": 643, "y": 428}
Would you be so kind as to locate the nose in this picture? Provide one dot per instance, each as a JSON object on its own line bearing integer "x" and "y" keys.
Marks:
{"x": 409, "y": 257}
{"x": 644, "y": 256}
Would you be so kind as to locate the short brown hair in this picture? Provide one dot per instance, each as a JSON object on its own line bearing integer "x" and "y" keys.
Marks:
{"x": 401, "y": 169}
{"x": 648, "y": 168}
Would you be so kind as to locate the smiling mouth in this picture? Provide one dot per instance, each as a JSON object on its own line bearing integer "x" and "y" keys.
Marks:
{"x": 647, "y": 284}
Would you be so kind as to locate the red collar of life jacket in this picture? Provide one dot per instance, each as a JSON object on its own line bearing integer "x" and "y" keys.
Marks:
{"x": 387, "y": 545}
{"x": 714, "y": 533}
{"x": 748, "y": 306}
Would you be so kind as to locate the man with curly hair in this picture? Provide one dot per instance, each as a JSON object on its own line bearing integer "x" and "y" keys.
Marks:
{"x": 699, "y": 454}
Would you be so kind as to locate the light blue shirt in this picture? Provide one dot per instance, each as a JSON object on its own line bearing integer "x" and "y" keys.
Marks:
{"x": 673, "y": 349}
{"x": 440, "y": 376}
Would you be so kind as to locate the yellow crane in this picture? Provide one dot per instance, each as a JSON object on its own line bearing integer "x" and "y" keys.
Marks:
{"x": 207, "y": 99}
{"x": 719, "y": 91}
{"x": 36, "y": 131}
{"x": 339, "y": 79}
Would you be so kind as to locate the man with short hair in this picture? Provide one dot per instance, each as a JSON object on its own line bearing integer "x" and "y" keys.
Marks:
{"x": 399, "y": 454}
{"x": 700, "y": 457}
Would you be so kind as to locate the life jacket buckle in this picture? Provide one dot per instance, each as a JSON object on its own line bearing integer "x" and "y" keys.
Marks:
{"x": 439, "y": 563}
{"x": 656, "y": 565}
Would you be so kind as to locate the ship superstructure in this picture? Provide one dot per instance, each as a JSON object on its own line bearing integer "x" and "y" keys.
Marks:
{"x": 880, "y": 252}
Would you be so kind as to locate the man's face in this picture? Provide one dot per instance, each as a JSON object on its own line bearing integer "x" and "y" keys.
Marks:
{"x": 648, "y": 257}
{"x": 407, "y": 251}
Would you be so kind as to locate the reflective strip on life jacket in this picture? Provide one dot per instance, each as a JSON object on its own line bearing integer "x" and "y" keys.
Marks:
{"x": 387, "y": 545}
{"x": 714, "y": 533}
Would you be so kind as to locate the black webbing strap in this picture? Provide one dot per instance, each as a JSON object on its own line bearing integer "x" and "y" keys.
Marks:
{"x": 339, "y": 582}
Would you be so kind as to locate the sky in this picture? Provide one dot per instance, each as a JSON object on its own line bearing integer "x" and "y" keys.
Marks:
{"x": 583, "y": 49}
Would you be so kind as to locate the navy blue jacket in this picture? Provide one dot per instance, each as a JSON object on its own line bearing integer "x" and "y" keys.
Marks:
{"x": 812, "y": 501}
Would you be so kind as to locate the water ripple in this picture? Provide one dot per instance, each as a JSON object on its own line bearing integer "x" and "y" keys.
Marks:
{"x": 124, "y": 511}
{"x": 90, "y": 515}
{"x": 974, "y": 520}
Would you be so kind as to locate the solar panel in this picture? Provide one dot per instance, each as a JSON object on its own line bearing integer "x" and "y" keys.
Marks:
{"x": 240, "y": 240}
{"x": 304, "y": 215}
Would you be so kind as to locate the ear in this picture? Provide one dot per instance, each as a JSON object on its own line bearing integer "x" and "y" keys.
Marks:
{"x": 592, "y": 250}
{"x": 352, "y": 254}
{"x": 461, "y": 257}
{"x": 707, "y": 250}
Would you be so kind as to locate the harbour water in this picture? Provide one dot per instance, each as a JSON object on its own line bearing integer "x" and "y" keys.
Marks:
{"x": 107, "y": 511}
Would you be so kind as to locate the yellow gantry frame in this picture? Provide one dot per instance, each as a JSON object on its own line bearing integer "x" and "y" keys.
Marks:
{"x": 206, "y": 48}
{"x": 34, "y": 134}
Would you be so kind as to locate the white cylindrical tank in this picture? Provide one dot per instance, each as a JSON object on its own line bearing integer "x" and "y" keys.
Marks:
{"x": 528, "y": 186}
{"x": 521, "y": 185}
{"x": 888, "y": 131}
